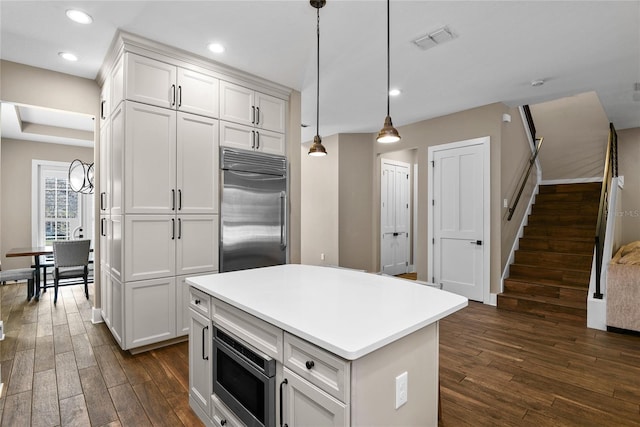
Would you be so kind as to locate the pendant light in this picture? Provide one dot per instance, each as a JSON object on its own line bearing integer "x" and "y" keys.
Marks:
{"x": 388, "y": 133}
{"x": 317, "y": 149}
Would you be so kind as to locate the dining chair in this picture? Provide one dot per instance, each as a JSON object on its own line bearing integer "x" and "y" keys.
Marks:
{"x": 27, "y": 274}
{"x": 70, "y": 260}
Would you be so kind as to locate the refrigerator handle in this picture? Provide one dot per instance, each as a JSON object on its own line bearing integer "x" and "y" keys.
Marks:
{"x": 283, "y": 220}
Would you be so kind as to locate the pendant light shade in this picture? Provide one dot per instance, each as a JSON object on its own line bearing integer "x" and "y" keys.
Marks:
{"x": 388, "y": 133}
{"x": 317, "y": 149}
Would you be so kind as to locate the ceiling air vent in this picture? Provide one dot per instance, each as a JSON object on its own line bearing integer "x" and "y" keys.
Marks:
{"x": 434, "y": 38}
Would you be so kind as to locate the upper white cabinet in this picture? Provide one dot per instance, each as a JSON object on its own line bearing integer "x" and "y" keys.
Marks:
{"x": 158, "y": 83}
{"x": 149, "y": 159}
{"x": 105, "y": 102}
{"x": 249, "y": 138}
{"x": 248, "y": 107}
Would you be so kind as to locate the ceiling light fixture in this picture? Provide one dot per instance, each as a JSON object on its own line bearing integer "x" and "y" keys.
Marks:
{"x": 68, "y": 56}
{"x": 79, "y": 16}
{"x": 395, "y": 92}
{"x": 216, "y": 48}
{"x": 536, "y": 83}
{"x": 434, "y": 38}
{"x": 388, "y": 133}
{"x": 317, "y": 149}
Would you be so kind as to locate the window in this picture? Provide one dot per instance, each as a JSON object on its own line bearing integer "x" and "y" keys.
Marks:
{"x": 57, "y": 209}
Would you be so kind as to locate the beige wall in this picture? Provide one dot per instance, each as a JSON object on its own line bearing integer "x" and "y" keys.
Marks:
{"x": 474, "y": 123}
{"x": 355, "y": 201}
{"x": 293, "y": 154}
{"x": 575, "y": 133}
{"x": 516, "y": 152}
{"x": 15, "y": 193}
{"x": 628, "y": 162}
{"x": 320, "y": 205}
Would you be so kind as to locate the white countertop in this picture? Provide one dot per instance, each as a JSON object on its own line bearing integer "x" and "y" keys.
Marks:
{"x": 346, "y": 312}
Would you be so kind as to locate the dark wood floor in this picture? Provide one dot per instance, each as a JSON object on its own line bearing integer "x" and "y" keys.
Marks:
{"x": 60, "y": 369}
{"x": 497, "y": 368}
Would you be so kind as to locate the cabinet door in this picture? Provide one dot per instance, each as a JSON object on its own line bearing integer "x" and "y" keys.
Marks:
{"x": 269, "y": 142}
{"x": 236, "y": 104}
{"x": 150, "y": 159}
{"x": 117, "y": 311}
{"x": 116, "y": 92}
{"x": 270, "y": 112}
{"x": 105, "y": 102}
{"x": 197, "y": 164}
{"x": 105, "y": 244}
{"x": 149, "y": 246}
{"x": 307, "y": 405}
{"x": 150, "y": 310}
{"x": 237, "y": 136}
{"x": 200, "y": 360}
{"x": 104, "y": 169}
{"x": 197, "y": 93}
{"x": 105, "y": 296}
{"x": 197, "y": 244}
{"x": 114, "y": 241}
{"x": 115, "y": 174}
{"x": 150, "y": 81}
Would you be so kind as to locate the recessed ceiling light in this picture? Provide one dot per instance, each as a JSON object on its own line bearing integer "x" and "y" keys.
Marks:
{"x": 79, "y": 16}
{"x": 536, "y": 83}
{"x": 68, "y": 56}
{"x": 216, "y": 48}
{"x": 434, "y": 38}
{"x": 395, "y": 92}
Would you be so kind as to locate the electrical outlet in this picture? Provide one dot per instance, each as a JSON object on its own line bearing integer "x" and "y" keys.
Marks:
{"x": 402, "y": 389}
{"x": 322, "y": 256}
{"x": 505, "y": 203}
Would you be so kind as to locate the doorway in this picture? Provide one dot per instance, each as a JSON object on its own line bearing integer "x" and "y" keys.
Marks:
{"x": 459, "y": 217}
{"x": 394, "y": 217}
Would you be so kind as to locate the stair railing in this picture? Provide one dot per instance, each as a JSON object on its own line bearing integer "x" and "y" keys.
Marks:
{"x": 525, "y": 175}
{"x": 610, "y": 172}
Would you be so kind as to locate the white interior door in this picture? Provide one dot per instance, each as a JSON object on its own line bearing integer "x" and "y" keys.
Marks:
{"x": 458, "y": 220}
{"x": 394, "y": 217}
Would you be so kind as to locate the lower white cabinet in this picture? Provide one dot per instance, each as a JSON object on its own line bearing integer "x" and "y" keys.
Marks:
{"x": 117, "y": 311}
{"x": 200, "y": 360}
{"x": 307, "y": 405}
{"x": 222, "y": 416}
{"x": 105, "y": 293}
{"x": 150, "y": 311}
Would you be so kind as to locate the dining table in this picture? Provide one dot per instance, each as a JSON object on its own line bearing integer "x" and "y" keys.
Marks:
{"x": 35, "y": 252}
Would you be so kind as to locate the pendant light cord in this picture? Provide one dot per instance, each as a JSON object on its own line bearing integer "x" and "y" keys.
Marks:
{"x": 388, "y": 56}
{"x": 318, "y": 80}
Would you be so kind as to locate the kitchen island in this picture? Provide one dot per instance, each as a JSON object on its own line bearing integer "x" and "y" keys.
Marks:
{"x": 350, "y": 348}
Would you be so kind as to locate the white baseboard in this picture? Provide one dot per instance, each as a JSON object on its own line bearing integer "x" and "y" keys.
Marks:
{"x": 96, "y": 315}
{"x": 570, "y": 181}
{"x": 493, "y": 299}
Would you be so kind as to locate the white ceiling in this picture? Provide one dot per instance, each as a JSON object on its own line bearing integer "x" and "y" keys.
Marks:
{"x": 500, "y": 47}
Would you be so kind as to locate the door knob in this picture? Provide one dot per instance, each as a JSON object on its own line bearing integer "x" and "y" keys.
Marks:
{"x": 477, "y": 242}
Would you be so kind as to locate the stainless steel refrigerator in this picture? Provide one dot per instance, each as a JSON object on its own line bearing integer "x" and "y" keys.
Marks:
{"x": 253, "y": 210}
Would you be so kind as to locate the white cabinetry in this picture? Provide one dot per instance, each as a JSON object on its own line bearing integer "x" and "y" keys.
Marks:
{"x": 252, "y": 120}
{"x": 200, "y": 360}
{"x": 150, "y": 311}
{"x": 158, "y": 83}
{"x": 159, "y": 181}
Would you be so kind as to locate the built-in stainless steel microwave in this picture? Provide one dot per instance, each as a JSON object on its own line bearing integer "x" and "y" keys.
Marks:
{"x": 244, "y": 379}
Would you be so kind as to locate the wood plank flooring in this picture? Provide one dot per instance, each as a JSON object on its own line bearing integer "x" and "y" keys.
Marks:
{"x": 59, "y": 369}
{"x": 497, "y": 368}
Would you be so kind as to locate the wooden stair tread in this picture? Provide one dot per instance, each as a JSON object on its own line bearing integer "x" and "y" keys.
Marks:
{"x": 547, "y": 282}
{"x": 578, "y": 305}
{"x": 578, "y": 270}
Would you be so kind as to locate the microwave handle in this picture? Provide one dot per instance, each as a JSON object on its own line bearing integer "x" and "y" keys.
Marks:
{"x": 281, "y": 399}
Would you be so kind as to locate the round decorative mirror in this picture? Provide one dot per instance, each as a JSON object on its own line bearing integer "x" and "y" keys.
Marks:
{"x": 81, "y": 176}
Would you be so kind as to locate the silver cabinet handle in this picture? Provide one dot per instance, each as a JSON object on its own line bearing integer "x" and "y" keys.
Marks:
{"x": 103, "y": 201}
{"x": 253, "y": 115}
{"x": 257, "y": 115}
{"x": 179, "y": 228}
{"x": 173, "y": 199}
{"x": 204, "y": 341}
{"x": 179, "y": 199}
{"x": 173, "y": 95}
{"x": 102, "y": 104}
{"x": 283, "y": 220}
{"x": 179, "y": 96}
{"x": 103, "y": 221}
{"x": 282, "y": 384}
{"x": 173, "y": 229}
{"x": 257, "y": 140}
{"x": 253, "y": 139}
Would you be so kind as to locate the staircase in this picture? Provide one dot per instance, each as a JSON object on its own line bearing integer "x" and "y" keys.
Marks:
{"x": 552, "y": 268}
